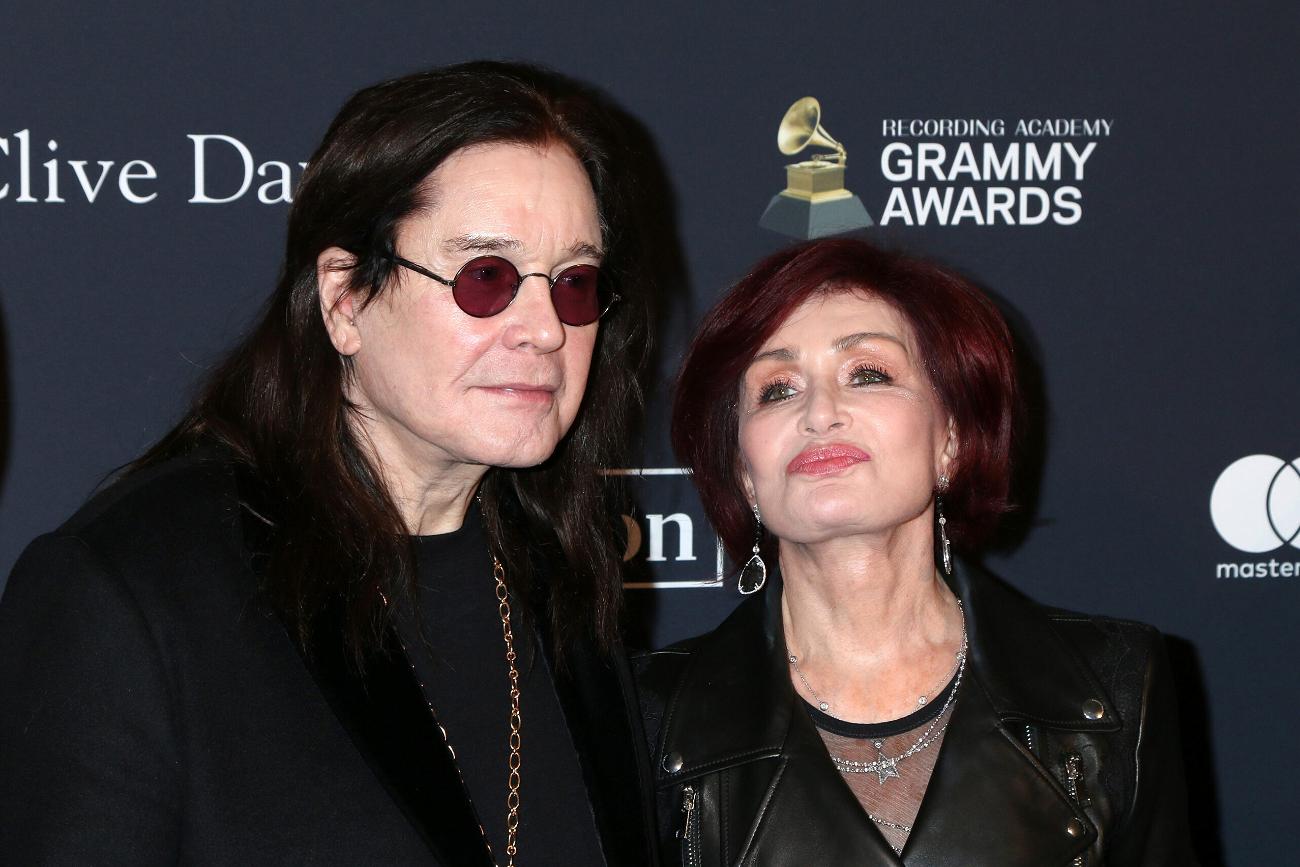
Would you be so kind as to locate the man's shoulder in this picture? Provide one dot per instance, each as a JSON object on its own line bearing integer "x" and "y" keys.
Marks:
{"x": 165, "y": 495}
{"x": 162, "y": 532}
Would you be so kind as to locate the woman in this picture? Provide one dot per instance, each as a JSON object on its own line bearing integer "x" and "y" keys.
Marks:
{"x": 359, "y": 606}
{"x": 848, "y": 416}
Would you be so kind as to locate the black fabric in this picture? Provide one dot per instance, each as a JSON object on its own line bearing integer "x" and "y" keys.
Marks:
{"x": 721, "y": 717}
{"x": 457, "y": 648}
{"x": 888, "y": 728}
{"x": 600, "y": 685}
{"x": 154, "y": 712}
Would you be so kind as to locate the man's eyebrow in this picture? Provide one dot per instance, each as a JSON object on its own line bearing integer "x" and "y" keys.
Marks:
{"x": 482, "y": 244}
{"x": 585, "y": 250}
{"x": 471, "y": 243}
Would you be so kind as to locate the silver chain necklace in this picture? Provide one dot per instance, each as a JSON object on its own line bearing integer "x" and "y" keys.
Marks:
{"x": 897, "y": 826}
{"x": 885, "y": 767}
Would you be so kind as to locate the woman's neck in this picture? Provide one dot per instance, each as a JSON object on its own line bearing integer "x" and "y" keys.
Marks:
{"x": 869, "y": 621}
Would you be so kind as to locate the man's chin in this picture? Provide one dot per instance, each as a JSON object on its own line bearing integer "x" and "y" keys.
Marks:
{"x": 517, "y": 456}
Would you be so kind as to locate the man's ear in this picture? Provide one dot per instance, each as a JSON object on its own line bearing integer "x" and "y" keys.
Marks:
{"x": 338, "y": 307}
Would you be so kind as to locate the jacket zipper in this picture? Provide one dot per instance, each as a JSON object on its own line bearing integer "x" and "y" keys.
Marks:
{"x": 690, "y": 833}
{"x": 1074, "y": 773}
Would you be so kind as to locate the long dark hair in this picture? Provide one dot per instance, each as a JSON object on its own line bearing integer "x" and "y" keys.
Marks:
{"x": 277, "y": 401}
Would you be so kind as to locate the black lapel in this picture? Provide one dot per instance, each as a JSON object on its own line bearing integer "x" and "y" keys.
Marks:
{"x": 807, "y": 794}
{"x": 988, "y": 793}
{"x": 387, "y": 716}
{"x": 594, "y": 691}
{"x": 394, "y": 728}
{"x": 1029, "y": 672}
{"x": 733, "y": 701}
{"x": 989, "y": 802}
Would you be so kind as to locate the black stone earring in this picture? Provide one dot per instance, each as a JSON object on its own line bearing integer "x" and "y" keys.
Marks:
{"x": 754, "y": 575}
{"x": 943, "y": 525}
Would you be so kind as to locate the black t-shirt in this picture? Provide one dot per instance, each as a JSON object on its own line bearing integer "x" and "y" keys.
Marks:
{"x": 462, "y": 667}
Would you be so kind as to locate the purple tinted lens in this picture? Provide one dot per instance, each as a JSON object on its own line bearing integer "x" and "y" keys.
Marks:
{"x": 485, "y": 286}
{"x": 576, "y": 295}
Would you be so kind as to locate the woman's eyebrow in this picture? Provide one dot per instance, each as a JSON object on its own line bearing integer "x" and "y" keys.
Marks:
{"x": 840, "y": 344}
{"x": 849, "y": 341}
{"x": 779, "y": 354}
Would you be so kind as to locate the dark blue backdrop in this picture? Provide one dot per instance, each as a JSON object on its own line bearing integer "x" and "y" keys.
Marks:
{"x": 1158, "y": 319}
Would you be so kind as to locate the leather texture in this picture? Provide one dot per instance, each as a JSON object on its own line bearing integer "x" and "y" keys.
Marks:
{"x": 155, "y": 712}
{"x": 723, "y": 721}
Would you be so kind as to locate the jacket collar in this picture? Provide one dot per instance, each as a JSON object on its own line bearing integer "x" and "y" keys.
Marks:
{"x": 735, "y": 699}
{"x": 1026, "y": 668}
{"x": 735, "y": 704}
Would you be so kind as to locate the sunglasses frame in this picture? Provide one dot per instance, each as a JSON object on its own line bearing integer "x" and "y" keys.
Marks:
{"x": 550, "y": 281}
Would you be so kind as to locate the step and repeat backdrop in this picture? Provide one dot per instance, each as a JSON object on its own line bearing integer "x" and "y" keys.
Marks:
{"x": 1123, "y": 179}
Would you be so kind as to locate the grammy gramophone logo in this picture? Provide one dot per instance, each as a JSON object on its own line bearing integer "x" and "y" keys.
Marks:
{"x": 814, "y": 202}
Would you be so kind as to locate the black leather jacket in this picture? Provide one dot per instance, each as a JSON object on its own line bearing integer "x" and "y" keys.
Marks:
{"x": 1062, "y": 748}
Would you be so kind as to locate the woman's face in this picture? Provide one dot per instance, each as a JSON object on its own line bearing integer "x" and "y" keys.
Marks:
{"x": 444, "y": 387}
{"x": 841, "y": 432}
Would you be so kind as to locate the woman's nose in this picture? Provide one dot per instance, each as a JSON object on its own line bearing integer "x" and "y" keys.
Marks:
{"x": 823, "y": 411}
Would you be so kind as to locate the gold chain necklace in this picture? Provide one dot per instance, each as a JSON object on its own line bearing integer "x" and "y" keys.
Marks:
{"x": 513, "y": 762}
{"x": 516, "y": 721}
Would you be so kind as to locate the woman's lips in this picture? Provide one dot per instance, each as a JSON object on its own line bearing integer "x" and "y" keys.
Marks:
{"x": 823, "y": 460}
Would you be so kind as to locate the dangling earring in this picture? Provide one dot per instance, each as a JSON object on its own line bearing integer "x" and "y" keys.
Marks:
{"x": 943, "y": 525}
{"x": 754, "y": 575}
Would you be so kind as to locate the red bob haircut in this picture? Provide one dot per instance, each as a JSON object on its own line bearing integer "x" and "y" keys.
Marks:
{"x": 963, "y": 340}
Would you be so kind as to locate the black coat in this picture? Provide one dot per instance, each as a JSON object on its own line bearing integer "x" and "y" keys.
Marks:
{"x": 1041, "y": 686}
{"x": 153, "y": 711}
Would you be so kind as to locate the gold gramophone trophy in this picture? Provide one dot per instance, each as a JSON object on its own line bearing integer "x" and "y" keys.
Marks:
{"x": 814, "y": 202}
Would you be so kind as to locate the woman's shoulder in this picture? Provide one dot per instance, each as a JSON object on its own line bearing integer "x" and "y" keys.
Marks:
{"x": 1119, "y": 650}
{"x": 657, "y": 672}
{"x": 1101, "y": 637}
{"x": 1010, "y": 610}
{"x": 688, "y": 670}
{"x": 1052, "y": 664}
{"x": 1127, "y": 657}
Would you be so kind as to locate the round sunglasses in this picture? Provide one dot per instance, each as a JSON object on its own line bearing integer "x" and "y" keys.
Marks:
{"x": 485, "y": 285}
